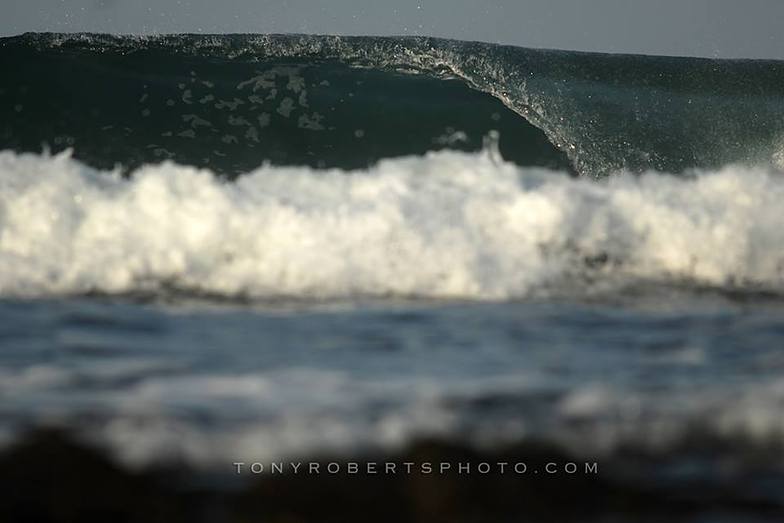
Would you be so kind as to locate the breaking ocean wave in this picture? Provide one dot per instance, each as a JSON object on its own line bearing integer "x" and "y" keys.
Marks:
{"x": 269, "y": 247}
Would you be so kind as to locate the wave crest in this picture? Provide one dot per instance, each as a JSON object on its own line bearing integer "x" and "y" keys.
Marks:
{"x": 607, "y": 113}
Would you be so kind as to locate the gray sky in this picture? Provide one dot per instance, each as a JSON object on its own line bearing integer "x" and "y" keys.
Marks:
{"x": 722, "y": 28}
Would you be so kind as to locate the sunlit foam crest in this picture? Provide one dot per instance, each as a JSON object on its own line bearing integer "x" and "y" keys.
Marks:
{"x": 446, "y": 225}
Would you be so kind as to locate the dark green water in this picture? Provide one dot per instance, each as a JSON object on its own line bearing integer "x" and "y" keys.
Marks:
{"x": 233, "y": 102}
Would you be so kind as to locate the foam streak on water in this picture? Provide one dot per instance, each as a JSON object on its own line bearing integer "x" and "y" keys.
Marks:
{"x": 447, "y": 225}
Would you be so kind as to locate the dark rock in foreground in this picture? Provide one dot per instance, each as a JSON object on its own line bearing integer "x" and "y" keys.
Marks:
{"x": 50, "y": 477}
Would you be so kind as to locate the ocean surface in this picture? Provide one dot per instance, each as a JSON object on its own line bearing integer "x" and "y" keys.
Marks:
{"x": 262, "y": 247}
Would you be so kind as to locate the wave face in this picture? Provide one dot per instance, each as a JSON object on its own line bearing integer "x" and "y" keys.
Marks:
{"x": 446, "y": 225}
{"x": 233, "y": 102}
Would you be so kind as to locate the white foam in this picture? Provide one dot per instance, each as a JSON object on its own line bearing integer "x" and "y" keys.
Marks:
{"x": 444, "y": 225}
{"x": 296, "y": 413}
{"x": 286, "y": 413}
